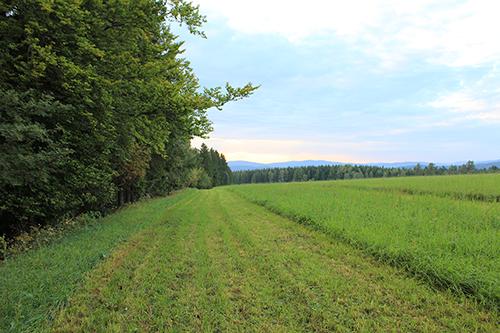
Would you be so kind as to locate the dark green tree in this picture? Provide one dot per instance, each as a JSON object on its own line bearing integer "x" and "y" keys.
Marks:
{"x": 98, "y": 105}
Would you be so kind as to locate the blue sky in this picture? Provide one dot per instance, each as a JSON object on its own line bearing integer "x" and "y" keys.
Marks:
{"x": 357, "y": 81}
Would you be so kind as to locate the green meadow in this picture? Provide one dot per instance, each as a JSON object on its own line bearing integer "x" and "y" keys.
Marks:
{"x": 482, "y": 187}
{"x": 445, "y": 230}
{"x": 301, "y": 257}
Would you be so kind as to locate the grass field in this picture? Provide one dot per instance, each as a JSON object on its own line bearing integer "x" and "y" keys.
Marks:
{"x": 485, "y": 187}
{"x": 214, "y": 261}
{"x": 35, "y": 284}
{"x": 449, "y": 242}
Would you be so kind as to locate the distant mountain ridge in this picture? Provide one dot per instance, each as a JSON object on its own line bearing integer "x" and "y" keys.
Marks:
{"x": 247, "y": 165}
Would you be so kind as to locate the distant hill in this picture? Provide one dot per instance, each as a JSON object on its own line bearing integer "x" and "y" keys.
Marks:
{"x": 246, "y": 165}
{"x": 487, "y": 164}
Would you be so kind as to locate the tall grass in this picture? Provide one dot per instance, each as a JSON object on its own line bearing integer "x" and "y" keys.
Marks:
{"x": 448, "y": 242}
{"x": 484, "y": 187}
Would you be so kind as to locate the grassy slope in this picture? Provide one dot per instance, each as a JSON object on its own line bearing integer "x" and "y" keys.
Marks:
{"x": 35, "y": 283}
{"x": 224, "y": 264}
{"x": 449, "y": 242}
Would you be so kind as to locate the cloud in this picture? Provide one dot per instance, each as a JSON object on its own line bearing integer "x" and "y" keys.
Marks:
{"x": 354, "y": 80}
{"x": 293, "y": 20}
{"x": 459, "y": 101}
{"x": 258, "y": 150}
{"x": 448, "y": 32}
{"x": 479, "y": 101}
{"x": 277, "y": 150}
{"x": 468, "y": 107}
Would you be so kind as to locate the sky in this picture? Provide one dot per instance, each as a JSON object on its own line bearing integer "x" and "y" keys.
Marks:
{"x": 353, "y": 81}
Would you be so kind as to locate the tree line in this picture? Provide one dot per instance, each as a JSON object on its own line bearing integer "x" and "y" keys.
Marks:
{"x": 99, "y": 107}
{"x": 333, "y": 172}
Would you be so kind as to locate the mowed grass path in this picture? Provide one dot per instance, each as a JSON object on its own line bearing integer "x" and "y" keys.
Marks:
{"x": 217, "y": 262}
{"x": 36, "y": 283}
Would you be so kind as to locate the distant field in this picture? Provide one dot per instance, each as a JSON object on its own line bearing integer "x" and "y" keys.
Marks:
{"x": 428, "y": 225}
{"x": 484, "y": 187}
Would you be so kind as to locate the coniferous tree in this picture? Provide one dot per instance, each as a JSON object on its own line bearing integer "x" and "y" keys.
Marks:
{"x": 335, "y": 172}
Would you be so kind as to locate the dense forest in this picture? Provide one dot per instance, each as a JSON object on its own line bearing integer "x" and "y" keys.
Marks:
{"x": 298, "y": 174}
{"x": 99, "y": 107}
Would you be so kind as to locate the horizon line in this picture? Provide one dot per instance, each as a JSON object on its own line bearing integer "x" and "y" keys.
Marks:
{"x": 373, "y": 162}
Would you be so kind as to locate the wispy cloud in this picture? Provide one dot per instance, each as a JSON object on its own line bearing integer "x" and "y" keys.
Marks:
{"x": 468, "y": 107}
{"x": 449, "y": 32}
{"x": 276, "y": 150}
{"x": 460, "y": 102}
{"x": 479, "y": 101}
{"x": 357, "y": 81}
